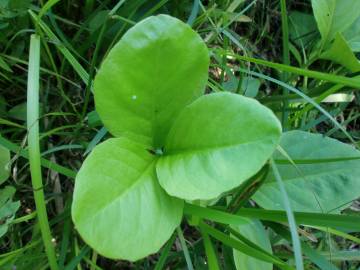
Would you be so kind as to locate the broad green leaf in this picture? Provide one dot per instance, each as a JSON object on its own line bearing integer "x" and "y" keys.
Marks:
{"x": 19, "y": 111}
{"x": 341, "y": 53}
{"x": 254, "y": 231}
{"x": 93, "y": 119}
{"x": 313, "y": 185}
{"x": 250, "y": 86}
{"x": 215, "y": 144}
{"x": 302, "y": 28}
{"x": 4, "y": 164}
{"x": 159, "y": 66}
{"x": 352, "y": 36}
{"x": 334, "y": 16}
{"x": 119, "y": 208}
{"x": 8, "y": 208}
{"x": 6, "y": 194}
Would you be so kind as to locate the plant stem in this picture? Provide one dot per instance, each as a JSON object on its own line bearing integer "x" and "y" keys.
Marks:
{"x": 213, "y": 263}
{"x": 285, "y": 32}
{"x": 286, "y": 56}
{"x": 34, "y": 148}
{"x": 93, "y": 260}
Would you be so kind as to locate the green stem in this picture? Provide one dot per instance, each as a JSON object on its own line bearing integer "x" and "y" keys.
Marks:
{"x": 286, "y": 56}
{"x": 285, "y": 32}
{"x": 34, "y": 148}
{"x": 93, "y": 260}
{"x": 24, "y": 218}
{"x": 209, "y": 251}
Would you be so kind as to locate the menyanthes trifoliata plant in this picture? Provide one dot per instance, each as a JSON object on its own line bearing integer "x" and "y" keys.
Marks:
{"x": 171, "y": 142}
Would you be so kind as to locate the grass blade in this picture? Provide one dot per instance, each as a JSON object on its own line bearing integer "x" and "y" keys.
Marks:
{"x": 165, "y": 253}
{"x": 44, "y": 162}
{"x": 185, "y": 249}
{"x": 308, "y": 99}
{"x": 210, "y": 252}
{"x": 290, "y": 217}
{"x": 34, "y": 148}
{"x": 67, "y": 54}
{"x": 309, "y": 252}
{"x": 47, "y": 6}
{"x": 314, "y": 219}
{"x": 286, "y": 57}
{"x": 352, "y": 82}
{"x": 250, "y": 251}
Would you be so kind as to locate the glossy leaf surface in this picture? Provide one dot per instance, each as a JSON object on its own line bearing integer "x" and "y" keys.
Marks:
{"x": 318, "y": 186}
{"x": 215, "y": 144}
{"x": 159, "y": 66}
{"x": 119, "y": 207}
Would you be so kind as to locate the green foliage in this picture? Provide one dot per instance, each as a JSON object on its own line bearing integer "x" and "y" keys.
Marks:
{"x": 352, "y": 35}
{"x": 4, "y": 164}
{"x": 117, "y": 199}
{"x": 237, "y": 137}
{"x": 164, "y": 66}
{"x": 159, "y": 67}
{"x": 323, "y": 178}
{"x": 335, "y": 19}
{"x": 302, "y": 28}
{"x": 255, "y": 232}
{"x": 335, "y": 16}
{"x": 302, "y": 65}
{"x": 8, "y": 208}
{"x": 340, "y": 52}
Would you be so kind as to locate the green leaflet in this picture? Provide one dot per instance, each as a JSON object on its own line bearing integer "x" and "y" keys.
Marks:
{"x": 4, "y": 163}
{"x": 302, "y": 28}
{"x": 352, "y": 36}
{"x": 119, "y": 208}
{"x": 254, "y": 231}
{"x": 315, "y": 186}
{"x": 8, "y": 208}
{"x": 215, "y": 144}
{"x": 334, "y": 16}
{"x": 157, "y": 68}
{"x": 250, "y": 86}
{"x": 340, "y": 52}
{"x": 338, "y": 22}
{"x": 147, "y": 86}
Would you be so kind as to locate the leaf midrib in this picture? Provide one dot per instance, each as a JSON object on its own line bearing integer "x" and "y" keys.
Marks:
{"x": 125, "y": 191}
{"x": 215, "y": 148}
{"x": 305, "y": 176}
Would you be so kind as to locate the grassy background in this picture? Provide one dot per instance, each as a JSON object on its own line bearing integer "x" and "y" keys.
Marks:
{"x": 76, "y": 35}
